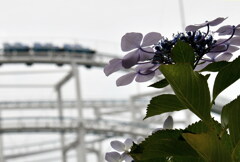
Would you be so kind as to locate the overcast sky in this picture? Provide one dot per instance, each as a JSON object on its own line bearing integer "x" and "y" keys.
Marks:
{"x": 99, "y": 24}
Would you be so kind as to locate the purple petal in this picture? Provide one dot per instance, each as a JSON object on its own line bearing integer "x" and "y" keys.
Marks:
{"x": 219, "y": 48}
{"x": 125, "y": 79}
{"x": 126, "y": 157}
{"x": 151, "y": 39}
{"x": 235, "y": 41}
{"x": 194, "y": 27}
{"x": 213, "y": 55}
{"x": 158, "y": 72}
{"x": 221, "y": 40}
{"x": 128, "y": 143}
{"x": 168, "y": 123}
{"x": 113, "y": 66}
{"x": 145, "y": 77}
{"x": 225, "y": 30}
{"x": 143, "y": 56}
{"x": 112, "y": 157}
{"x": 130, "y": 59}
{"x": 140, "y": 140}
{"x": 237, "y": 32}
{"x": 232, "y": 49}
{"x": 201, "y": 66}
{"x": 224, "y": 57}
{"x": 117, "y": 145}
{"x": 216, "y": 21}
{"x": 143, "y": 67}
{"x": 131, "y": 41}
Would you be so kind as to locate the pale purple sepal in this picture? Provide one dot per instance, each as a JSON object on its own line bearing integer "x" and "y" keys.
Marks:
{"x": 146, "y": 72}
{"x": 113, "y": 66}
{"x": 237, "y": 30}
{"x": 224, "y": 57}
{"x": 212, "y": 55}
{"x": 151, "y": 39}
{"x": 219, "y": 48}
{"x": 126, "y": 157}
{"x": 128, "y": 143}
{"x": 232, "y": 49}
{"x": 168, "y": 123}
{"x": 210, "y": 23}
{"x": 158, "y": 72}
{"x": 125, "y": 79}
{"x": 144, "y": 67}
{"x": 113, "y": 157}
{"x": 225, "y": 30}
{"x": 194, "y": 27}
{"x": 140, "y": 140}
{"x": 130, "y": 59}
{"x": 143, "y": 78}
{"x": 217, "y": 21}
{"x": 143, "y": 56}
{"x": 202, "y": 65}
{"x": 235, "y": 41}
{"x": 118, "y": 146}
{"x": 131, "y": 41}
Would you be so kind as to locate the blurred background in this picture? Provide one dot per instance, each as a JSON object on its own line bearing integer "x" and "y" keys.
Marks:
{"x": 56, "y": 104}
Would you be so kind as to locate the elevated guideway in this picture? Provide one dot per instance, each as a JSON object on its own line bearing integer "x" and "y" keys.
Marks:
{"x": 101, "y": 129}
{"x": 69, "y": 124}
{"x": 80, "y": 126}
{"x": 51, "y": 104}
{"x": 97, "y": 60}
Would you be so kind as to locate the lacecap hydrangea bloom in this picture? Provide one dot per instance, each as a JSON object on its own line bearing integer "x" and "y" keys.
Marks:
{"x": 122, "y": 148}
{"x": 145, "y": 54}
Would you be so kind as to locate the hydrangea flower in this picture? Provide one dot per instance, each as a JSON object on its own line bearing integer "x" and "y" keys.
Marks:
{"x": 168, "y": 124}
{"x": 138, "y": 47}
{"x": 214, "y": 22}
{"x": 142, "y": 73}
{"x": 123, "y": 148}
{"x": 228, "y": 30}
{"x": 149, "y": 53}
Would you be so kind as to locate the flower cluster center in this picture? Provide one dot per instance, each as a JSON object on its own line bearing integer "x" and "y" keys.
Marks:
{"x": 201, "y": 43}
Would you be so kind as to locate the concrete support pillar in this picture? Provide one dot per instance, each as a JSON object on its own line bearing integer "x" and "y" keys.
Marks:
{"x": 100, "y": 153}
{"x": 60, "y": 113}
{"x": 1, "y": 141}
{"x": 81, "y": 148}
{"x": 133, "y": 109}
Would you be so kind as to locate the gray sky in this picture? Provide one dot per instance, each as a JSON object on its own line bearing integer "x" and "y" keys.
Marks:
{"x": 99, "y": 24}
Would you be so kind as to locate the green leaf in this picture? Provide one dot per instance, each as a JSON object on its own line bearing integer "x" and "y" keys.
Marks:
{"x": 163, "y": 103}
{"x": 183, "y": 53}
{"x": 190, "y": 87}
{"x": 226, "y": 76}
{"x": 231, "y": 117}
{"x": 198, "y": 127}
{"x": 209, "y": 146}
{"x": 236, "y": 152}
{"x": 162, "y": 144}
{"x": 187, "y": 159}
{"x": 160, "y": 84}
{"x": 207, "y": 76}
{"x": 154, "y": 160}
{"x": 215, "y": 66}
{"x": 201, "y": 127}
